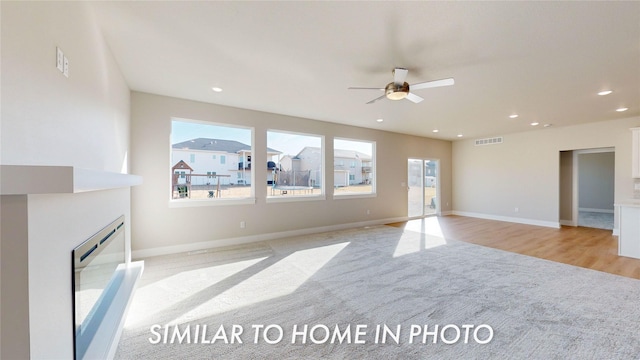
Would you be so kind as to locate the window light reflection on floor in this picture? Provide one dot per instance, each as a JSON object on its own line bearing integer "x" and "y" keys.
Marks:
{"x": 419, "y": 235}
{"x": 281, "y": 278}
{"x": 173, "y": 290}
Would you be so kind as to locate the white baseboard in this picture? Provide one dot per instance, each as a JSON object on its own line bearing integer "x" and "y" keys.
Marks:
{"x": 568, "y": 223}
{"x": 550, "y": 224}
{"x": 605, "y": 211}
{"x": 175, "y": 249}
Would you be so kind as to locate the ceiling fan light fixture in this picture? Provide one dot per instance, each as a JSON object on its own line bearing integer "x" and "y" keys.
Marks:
{"x": 397, "y": 92}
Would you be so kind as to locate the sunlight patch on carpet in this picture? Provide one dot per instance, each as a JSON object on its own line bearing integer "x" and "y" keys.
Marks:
{"x": 419, "y": 235}
{"x": 280, "y": 279}
{"x": 165, "y": 294}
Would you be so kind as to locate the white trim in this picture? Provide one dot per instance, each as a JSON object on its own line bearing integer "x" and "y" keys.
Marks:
{"x": 185, "y": 203}
{"x": 174, "y": 249}
{"x": 568, "y": 223}
{"x": 550, "y": 224}
{"x": 28, "y": 179}
{"x": 272, "y": 199}
{"x": 354, "y": 195}
{"x": 605, "y": 211}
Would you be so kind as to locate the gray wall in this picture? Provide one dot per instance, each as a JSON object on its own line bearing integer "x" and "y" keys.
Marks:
{"x": 48, "y": 119}
{"x": 566, "y": 187}
{"x": 596, "y": 181}
{"x": 158, "y": 226}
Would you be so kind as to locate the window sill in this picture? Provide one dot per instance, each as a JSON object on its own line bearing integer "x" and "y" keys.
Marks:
{"x": 353, "y": 196}
{"x": 185, "y": 203}
{"x": 294, "y": 198}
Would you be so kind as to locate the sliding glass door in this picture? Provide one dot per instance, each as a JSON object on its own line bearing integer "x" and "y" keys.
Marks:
{"x": 422, "y": 185}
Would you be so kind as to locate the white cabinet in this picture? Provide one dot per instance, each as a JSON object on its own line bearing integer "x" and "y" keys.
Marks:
{"x": 635, "y": 155}
{"x": 629, "y": 239}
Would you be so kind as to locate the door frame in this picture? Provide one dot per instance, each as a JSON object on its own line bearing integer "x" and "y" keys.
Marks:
{"x": 424, "y": 160}
{"x": 576, "y": 181}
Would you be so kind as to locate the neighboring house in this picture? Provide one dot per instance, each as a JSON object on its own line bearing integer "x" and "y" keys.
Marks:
{"x": 211, "y": 157}
{"x": 358, "y": 166}
{"x": 350, "y": 167}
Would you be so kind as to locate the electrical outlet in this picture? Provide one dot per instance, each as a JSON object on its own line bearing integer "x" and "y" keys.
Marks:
{"x": 66, "y": 67}
{"x": 368, "y": 212}
{"x": 243, "y": 224}
{"x": 516, "y": 210}
{"x": 59, "y": 59}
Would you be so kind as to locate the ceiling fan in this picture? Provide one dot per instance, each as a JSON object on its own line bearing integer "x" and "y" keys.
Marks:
{"x": 399, "y": 89}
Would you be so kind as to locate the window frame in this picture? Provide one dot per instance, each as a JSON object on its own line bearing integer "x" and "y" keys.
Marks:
{"x": 374, "y": 176}
{"x": 303, "y": 197}
{"x": 216, "y": 201}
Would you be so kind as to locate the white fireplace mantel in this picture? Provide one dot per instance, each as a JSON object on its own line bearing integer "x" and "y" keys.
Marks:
{"x": 37, "y": 179}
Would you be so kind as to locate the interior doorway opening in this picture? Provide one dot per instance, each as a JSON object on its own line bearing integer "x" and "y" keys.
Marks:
{"x": 587, "y": 182}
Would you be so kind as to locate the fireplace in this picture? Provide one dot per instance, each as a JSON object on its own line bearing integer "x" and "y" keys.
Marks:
{"x": 102, "y": 285}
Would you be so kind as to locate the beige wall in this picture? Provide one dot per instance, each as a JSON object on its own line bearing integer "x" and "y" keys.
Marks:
{"x": 158, "y": 226}
{"x": 48, "y": 119}
{"x": 524, "y": 171}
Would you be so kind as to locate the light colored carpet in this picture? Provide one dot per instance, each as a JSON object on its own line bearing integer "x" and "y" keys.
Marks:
{"x": 383, "y": 275}
{"x": 596, "y": 220}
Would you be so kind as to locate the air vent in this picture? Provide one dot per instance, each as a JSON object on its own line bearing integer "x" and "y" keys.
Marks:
{"x": 489, "y": 141}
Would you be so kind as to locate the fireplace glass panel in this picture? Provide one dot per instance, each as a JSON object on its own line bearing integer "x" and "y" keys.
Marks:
{"x": 95, "y": 279}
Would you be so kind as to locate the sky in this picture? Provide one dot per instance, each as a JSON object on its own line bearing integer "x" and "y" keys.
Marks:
{"x": 286, "y": 142}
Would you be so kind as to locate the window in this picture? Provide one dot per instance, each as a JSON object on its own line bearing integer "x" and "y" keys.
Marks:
{"x": 295, "y": 165}
{"x": 359, "y": 177}
{"x": 204, "y": 177}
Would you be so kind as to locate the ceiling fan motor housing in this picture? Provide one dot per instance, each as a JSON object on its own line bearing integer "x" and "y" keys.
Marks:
{"x": 396, "y": 91}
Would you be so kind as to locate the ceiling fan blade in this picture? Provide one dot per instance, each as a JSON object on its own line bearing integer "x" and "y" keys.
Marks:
{"x": 376, "y": 99}
{"x": 413, "y": 97}
{"x": 431, "y": 84}
{"x": 364, "y": 88}
{"x": 399, "y": 74}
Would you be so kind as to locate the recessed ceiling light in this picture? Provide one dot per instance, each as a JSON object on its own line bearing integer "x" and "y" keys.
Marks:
{"x": 547, "y": 125}
{"x": 605, "y": 92}
{"x": 435, "y": 130}
{"x": 513, "y": 116}
{"x": 459, "y": 135}
{"x": 535, "y": 123}
{"x": 380, "y": 120}
{"x": 216, "y": 89}
{"x": 622, "y": 109}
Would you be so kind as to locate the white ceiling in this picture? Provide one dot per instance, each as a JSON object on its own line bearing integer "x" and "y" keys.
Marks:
{"x": 542, "y": 60}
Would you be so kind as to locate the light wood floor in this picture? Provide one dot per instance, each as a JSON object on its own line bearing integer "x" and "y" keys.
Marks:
{"x": 585, "y": 247}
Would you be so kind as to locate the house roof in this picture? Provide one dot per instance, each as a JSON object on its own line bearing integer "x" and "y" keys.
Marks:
{"x": 350, "y": 154}
{"x": 181, "y": 165}
{"x": 219, "y": 145}
{"x": 340, "y": 153}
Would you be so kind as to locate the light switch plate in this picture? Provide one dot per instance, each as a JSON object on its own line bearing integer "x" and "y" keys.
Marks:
{"x": 59, "y": 59}
{"x": 66, "y": 67}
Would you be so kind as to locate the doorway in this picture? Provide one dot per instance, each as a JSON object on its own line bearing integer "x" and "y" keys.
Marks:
{"x": 587, "y": 185}
{"x": 422, "y": 187}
